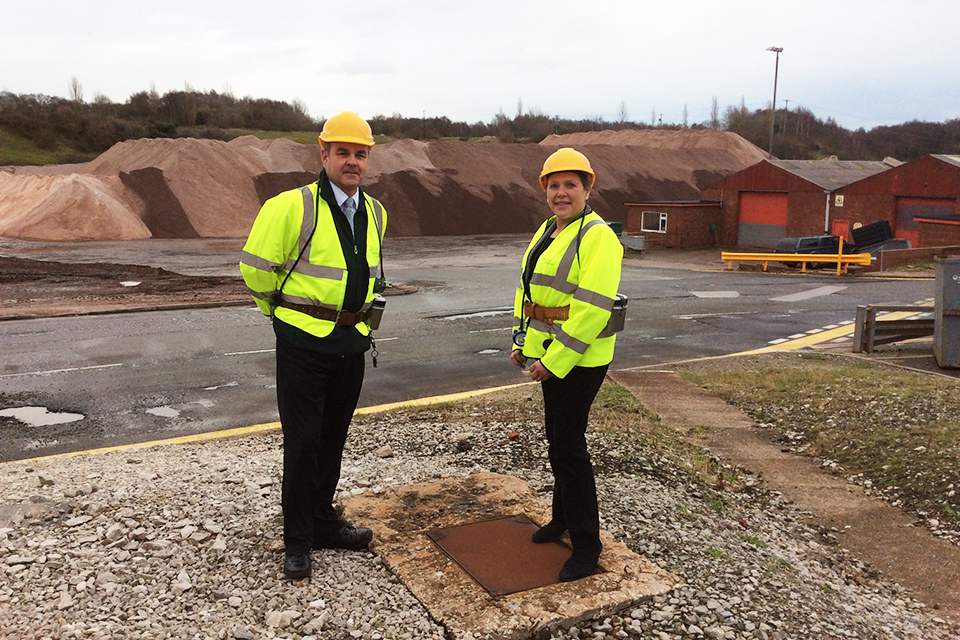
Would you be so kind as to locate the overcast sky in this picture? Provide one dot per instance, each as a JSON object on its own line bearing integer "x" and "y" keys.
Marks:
{"x": 865, "y": 63}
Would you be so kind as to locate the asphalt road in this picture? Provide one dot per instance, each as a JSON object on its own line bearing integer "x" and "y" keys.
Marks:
{"x": 146, "y": 376}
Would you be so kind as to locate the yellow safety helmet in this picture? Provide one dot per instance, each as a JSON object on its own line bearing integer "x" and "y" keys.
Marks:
{"x": 566, "y": 159}
{"x": 347, "y": 127}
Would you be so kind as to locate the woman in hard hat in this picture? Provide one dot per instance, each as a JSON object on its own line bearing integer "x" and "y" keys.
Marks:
{"x": 571, "y": 271}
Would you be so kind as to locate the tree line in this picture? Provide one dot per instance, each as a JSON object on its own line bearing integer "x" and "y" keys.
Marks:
{"x": 74, "y": 130}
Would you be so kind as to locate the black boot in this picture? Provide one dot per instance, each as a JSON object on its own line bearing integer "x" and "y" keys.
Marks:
{"x": 297, "y": 566}
{"x": 581, "y": 563}
{"x": 549, "y": 532}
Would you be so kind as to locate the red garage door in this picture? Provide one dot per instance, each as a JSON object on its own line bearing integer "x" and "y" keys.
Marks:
{"x": 909, "y": 209}
{"x": 763, "y": 218}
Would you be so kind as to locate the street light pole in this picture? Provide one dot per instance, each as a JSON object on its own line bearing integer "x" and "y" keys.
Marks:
{"x": 773, "y": 115}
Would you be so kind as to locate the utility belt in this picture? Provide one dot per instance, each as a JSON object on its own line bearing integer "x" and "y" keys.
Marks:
{"x": 346, "y": 318}
{"x": 549, "y": 315}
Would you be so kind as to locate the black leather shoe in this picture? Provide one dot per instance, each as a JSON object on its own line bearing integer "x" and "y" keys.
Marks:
{"x": 580, "y": 564}
{"x": 350, "y": 538}
{"x": 549, "y": 532}
{"x": 297, "y": 566}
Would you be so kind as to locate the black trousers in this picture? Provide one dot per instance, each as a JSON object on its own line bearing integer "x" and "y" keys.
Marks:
{"x": 317, "y": 395}
{"x": 566, "y": 404}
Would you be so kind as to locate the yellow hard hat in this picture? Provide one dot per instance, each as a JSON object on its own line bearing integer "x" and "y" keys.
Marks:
{"x": 566, "y": 159}
{"x": 347, "y": 127}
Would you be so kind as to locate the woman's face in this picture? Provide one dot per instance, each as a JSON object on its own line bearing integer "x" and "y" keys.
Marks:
{"x": 566, "y": 195}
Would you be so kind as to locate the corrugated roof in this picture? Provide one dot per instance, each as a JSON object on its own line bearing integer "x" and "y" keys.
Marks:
{"x": 830, "y": 173}
{"x": 954, "y": 160}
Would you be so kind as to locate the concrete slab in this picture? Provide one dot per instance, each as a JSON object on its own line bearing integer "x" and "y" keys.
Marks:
{"x": 400, "y": 518}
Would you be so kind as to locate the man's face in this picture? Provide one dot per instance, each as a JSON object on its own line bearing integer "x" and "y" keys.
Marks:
{"x": 345, "y": 164}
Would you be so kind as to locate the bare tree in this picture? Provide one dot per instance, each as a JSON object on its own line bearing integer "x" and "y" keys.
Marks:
{"x": 622, "y": 114}
{"x": 714, "y": 114}
{"x": 686, "y": 115}
{"x": 76, "y": 90}
{"x": 519, "y": 107}
{"x": 300, "y": 107}
{"x": 653, "y": 117}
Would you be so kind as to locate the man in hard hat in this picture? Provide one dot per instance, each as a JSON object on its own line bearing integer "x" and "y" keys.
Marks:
{"x": 310, "y": 263}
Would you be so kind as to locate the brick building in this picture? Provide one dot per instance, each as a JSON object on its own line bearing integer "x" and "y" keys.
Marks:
{"x": 918, "y": 199}
{"x": 772, "y": 199}
{"x": 681, "y": 225}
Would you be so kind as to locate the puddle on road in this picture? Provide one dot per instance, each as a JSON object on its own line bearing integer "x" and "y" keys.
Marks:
{"x": 164, "y": 412}
{"x": 40, "y": 416}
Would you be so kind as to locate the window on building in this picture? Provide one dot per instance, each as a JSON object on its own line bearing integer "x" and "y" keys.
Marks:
{"x": 653, "y": 222}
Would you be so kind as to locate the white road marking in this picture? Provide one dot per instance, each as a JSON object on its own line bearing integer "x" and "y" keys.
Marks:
{"x": 480, "y": 314}
{"x": 812, "y": 293}
{"x": 489, "y": 330}
{"x": 694, "y": 316}
{"x": 68, "y": 370}
{"x": 716, "y": 294}
{"x": 247, "y": 353}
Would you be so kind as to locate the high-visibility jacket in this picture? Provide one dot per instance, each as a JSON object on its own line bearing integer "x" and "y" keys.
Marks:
{"x": 584, "y": 275}
{"x": 283, "y": 230}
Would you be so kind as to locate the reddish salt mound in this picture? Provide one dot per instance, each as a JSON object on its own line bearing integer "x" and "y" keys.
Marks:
{"x": 189, "y": 188}
{"x": 444, "y": 188}
{"x": 665, "y": 139}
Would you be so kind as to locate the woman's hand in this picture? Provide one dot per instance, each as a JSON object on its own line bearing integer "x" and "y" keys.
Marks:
{"x": 516, "y": 357}
{"x": 539, "y": 373}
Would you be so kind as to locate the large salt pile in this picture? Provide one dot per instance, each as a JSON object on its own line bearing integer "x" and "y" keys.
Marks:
{"x": 188, "y": 188}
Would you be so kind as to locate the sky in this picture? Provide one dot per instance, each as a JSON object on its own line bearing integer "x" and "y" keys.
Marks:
{"x": 864, "y": 63}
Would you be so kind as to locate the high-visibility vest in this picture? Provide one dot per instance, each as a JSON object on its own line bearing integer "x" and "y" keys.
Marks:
{"x": 283, "y": 230}
{"x": 584, "y": 275}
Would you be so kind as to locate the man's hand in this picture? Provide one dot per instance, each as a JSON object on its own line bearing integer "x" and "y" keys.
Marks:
{"x": 516, "y": 357}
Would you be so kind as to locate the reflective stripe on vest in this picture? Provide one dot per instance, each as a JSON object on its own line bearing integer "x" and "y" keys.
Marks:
{"x": 560, "y": 282}
{"x": 305, "y": 246}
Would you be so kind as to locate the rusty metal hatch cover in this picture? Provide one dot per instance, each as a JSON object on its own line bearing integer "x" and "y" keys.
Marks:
{"x": 500, "y": 555}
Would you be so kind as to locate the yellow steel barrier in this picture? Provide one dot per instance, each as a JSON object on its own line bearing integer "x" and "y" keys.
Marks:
{"x": 843, "y": 261}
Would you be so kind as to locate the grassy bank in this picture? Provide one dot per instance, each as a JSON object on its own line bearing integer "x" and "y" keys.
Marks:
{"x": 894, "y": 431}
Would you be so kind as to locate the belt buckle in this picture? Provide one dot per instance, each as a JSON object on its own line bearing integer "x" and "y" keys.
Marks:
{"x": 337, "y": 319}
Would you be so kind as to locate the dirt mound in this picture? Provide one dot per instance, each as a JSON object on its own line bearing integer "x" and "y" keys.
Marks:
{"x": 665, "y": 139}
{"x": 69, "y": 207}
{"x": 188, "y": 188}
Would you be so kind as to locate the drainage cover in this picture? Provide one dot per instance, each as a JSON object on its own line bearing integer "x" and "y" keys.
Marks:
{"x": 500, "y": 555}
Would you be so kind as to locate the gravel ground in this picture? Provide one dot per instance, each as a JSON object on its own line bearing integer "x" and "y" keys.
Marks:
{"x": 174, "y": 542}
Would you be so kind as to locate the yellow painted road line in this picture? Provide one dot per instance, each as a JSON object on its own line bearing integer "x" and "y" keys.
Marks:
{"x": 823, "y": 336}
{"x": 271, "y": 426}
